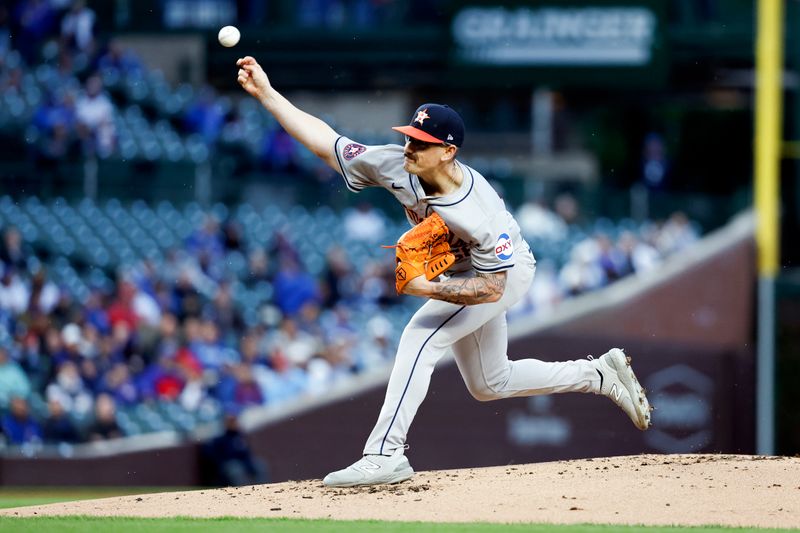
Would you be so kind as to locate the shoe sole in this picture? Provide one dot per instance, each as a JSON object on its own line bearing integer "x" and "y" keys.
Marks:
{"x": 396, "y": 477}
{"x": 622, "y": 366}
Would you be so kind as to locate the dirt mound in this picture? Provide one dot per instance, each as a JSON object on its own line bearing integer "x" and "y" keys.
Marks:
{"x": 729, "y": 490}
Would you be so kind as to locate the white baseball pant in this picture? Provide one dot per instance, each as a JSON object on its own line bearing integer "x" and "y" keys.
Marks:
{"x": 478, "y": 335}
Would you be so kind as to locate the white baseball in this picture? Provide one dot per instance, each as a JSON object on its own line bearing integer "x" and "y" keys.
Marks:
{"x": 228, "y": 36}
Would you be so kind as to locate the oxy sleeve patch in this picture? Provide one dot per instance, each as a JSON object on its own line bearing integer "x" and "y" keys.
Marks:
{"x": 353, "y": 150}
{"x": 504, "y": 248}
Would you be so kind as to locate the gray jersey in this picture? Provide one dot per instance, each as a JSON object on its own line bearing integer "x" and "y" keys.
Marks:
{"x": 484, "y": 235}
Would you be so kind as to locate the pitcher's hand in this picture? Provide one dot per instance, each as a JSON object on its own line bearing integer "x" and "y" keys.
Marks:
{"x": 252, "y": 77}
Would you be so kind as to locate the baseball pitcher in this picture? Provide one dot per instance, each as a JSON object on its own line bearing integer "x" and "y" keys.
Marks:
{"x": 464, "y": 254}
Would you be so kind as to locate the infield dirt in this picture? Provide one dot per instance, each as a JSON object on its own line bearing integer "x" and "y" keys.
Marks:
{"x": 729, "y": 490}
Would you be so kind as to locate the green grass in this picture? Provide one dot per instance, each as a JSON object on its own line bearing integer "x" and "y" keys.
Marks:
{"x": 19, "y": 497}
{"x": 24, "y": 496}
{"x": 236, "y": 525}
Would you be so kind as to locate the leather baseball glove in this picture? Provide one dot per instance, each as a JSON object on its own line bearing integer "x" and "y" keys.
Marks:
{"x": 422, "y": 250}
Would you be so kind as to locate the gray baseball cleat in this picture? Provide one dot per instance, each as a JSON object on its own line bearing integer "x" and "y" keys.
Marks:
{"x": 372, "y": 470}
{"x": 619, "y": 383}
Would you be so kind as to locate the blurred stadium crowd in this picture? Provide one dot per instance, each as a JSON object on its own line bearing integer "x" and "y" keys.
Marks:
{"x": 121, "y": 319}
{"x": 214, "y": 311}
{"x": 75, "y": 97}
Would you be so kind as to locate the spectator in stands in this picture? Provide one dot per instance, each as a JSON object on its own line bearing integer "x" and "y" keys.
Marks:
{"x": 65, "y": 77}
{"x": 121, "y": 310}
{"x": 209, "y": 348}
{"x": 19, "y": 426}
{"x": 35, "y": 363}
{"x": 340, "y": 282}
{"x": 208, "y": 240}
{"x": 56, "y": 111}
{"x": 610, "y": 259}
{"x": 290, "y": 346}
{"x": 77, "y": 28}
{"x": 279, "y": 152}
{"x": 117, "y": 347}
{"x": 105, "y": 424}
{"x": 582, "y": 273}
{"x": 169, "y": 339}
{"x": 231, "y": 459}
{"x": 66, "y": 309}
{"x": 655, "y": 165}
{"x": 337, "y": 324}
{"x": 95, "y": 117}
{"x": 13, "y": 381}
{"x": 364, "y": 223}
{"x": 639, "y": 256}
{"x": 95, "y": 313}
{"x": 120, "y": 59}
{"x": 194, "y": 392}
{"x": 69, "y": 390}
{"x": 13, "y": 252}
{"x": 58, "y": 427}
{"x": 258, "y": 268}
{"x": 566, "y": 207}
{"x": 377, "y": 283}
{"x": 224, "y": 313}
{"x": 294, "y": 287}
{"x": 334, "y": 360}
{"x": 676, "y": 234}
{"x": 205, "y": 116}
{"x": 117, "y": 383}
{"x": 73, "y": 345}
{"x": 14, "y": 295}
{"x": 374, "y": 348}
{"x": 274, "y": 387}
{"x": 90, "y": 375}
{"x": 44, "y": 295}
{"x": 32, "y": 22}
{"x": 238, "y": 388}
{"x": 543, "y": 294}
{"x": 232, "y": 239}
{"x": 161, "y": 380}
{"x": 146, "y": 308}
{"x": 537, "y": 221}
{"x": 186, "y": 299}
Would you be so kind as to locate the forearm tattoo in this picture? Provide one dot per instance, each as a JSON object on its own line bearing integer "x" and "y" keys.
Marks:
{"x": 483, "y": 288}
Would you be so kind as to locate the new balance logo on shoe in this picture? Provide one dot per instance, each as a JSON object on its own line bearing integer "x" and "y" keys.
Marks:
{"x": 615, "y": 392}
{"x": 370, "y": 466}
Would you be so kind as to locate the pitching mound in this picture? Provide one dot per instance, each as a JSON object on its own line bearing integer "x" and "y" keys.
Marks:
{"x": 730, "y": 490}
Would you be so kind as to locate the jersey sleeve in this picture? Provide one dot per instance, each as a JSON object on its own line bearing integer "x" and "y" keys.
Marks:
{"x": 494, "y": 250}
{"x": 364, "y": 166}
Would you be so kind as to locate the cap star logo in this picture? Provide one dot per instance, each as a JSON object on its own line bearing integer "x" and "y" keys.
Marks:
{"x": 353, "y": 150}
{"x": 421, "y": 116}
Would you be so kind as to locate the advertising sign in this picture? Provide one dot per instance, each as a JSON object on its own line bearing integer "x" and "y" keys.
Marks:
{"x": 577, "y": 43}
{"x": 595, "y": 36}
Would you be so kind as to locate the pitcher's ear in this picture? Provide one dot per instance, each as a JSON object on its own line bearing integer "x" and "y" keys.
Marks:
{"x": 450, "y": 152}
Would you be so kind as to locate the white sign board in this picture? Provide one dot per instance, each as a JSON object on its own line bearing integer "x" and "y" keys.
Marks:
{"x": 590, "y": 36}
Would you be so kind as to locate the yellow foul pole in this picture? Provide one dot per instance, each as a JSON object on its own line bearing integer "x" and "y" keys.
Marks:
{"x": 768, "y": 126}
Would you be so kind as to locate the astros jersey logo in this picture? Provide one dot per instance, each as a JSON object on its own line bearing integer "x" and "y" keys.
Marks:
{"x": 353, "y": 150}
{"x": 504, "y": 248}
{"x": 421, "y": 116}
